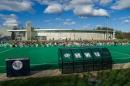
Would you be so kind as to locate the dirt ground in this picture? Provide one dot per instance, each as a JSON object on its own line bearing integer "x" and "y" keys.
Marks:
{"x": 34, "y": 74}
{"x": 55, "y": 72}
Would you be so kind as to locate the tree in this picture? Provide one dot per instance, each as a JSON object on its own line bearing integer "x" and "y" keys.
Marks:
{"x": 104, "y": 28}
{"x": 126, "y": 35}
{"x": 119, "y": 35}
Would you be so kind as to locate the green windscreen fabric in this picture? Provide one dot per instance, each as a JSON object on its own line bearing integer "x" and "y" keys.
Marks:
{"x": 66, "y": 55}
{"x": 84, "y": 59}
{"x": 87, "y": 54}
{"x": 96, "y": 54}
{"x": 77, "y": 54}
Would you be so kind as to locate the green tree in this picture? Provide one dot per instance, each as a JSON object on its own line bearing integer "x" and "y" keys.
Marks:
{"x": 119, "y": 35}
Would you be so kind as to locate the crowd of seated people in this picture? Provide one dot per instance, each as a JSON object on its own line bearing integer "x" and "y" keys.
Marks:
{"x": 60, "y": 43}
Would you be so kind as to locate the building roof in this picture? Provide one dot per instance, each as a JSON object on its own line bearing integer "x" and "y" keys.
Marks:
{"x": 72, "y": 30}
{"x": 62, "y": 30}
{"x": 17, "y": 30}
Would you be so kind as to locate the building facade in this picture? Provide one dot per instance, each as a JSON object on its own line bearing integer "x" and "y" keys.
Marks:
{"x": 63, "y": 34}
{"x": 30, "y": 33}
{"x": 69, "y": 34}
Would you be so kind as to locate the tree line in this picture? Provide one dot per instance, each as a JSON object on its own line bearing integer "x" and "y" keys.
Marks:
{"x": 118, "y": 34}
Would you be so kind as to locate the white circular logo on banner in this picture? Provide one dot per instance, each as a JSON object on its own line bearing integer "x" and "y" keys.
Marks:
{"x": 17, "y": 65}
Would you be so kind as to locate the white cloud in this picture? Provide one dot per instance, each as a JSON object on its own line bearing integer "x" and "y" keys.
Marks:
{"x": 88, "y": 10}
{"x": 9, "y": 20}
{"x": 68, "y": 19}
{"x": 100, "y": 12}
{"x": 98, "y": 25}
{"x": 126, "y": 21}
{"x": 59, "y": 19}
{"x": 83, "y": 17}
{"x": 69, "y": 23}
{"x": 53, "y": 8}
{"x": 104, "y": 2}
{"x": 79, "y": 7}
{"x": 10, "y": 23}
{"x": 86, "y": 26}
{"x": 83, "y": 10}
{"x": 77, "y": 2}
{"x": 46, "y": 2}
{"x": 73, "y": 4}
{"x": 124, "y": 17}
{"x": 15, "y": 5}
{"x": 121, "y": 4}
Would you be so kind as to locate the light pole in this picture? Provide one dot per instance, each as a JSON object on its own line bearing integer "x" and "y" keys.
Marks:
{"x": 107, "y": 22}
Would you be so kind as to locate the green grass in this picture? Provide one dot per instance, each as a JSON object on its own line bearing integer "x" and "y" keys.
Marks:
{"x": 120, "y": 54}
{"x": 38, "y": 56}
{"x": 47, "y": 57}
{"x": 103, "y": 78}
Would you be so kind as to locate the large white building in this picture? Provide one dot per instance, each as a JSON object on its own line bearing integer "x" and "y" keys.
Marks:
{"x": 62, "y": 34}
{"x": 70, "y": 34}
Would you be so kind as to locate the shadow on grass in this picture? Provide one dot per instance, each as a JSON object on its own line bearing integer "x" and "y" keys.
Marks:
{"x": 44, "y": 67}
{"x": 36, "y": 67}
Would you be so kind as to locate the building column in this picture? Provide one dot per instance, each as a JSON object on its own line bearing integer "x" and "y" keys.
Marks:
{"x": 113, "y": 35}
{"x": 29, "y": 30}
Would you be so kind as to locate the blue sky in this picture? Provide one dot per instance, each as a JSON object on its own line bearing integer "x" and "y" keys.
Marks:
{"x": 66, "y": 14}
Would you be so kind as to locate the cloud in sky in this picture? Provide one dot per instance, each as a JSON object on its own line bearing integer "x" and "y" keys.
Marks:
{"x": 121, "y": 4}
{"x": 83, "y": 10}
{"x": 100, "y": 12}
{"x": 87, "y": 26}
{"x": 79, "y": 7}
{"x": 84, "y": 7}
{"x": 104, "y": 2}
{"x": 58, "y": 6}
{"x": 88, "y": 10}
{"x": 9, "y": 20}
{"x": 69, "y": 23}
{"x": 77, "y": 2}
{"x": 80, "y": 11}
{"x": 126, "y": 21}
{"x": 15, "y": 5}
{"x": 54, "y": 8}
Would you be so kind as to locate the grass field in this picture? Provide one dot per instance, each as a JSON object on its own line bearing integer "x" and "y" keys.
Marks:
{"x": 47, "y": 57}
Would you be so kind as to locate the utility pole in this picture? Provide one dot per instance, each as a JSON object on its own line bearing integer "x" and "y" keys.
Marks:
{"x": 107, "y": 23}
